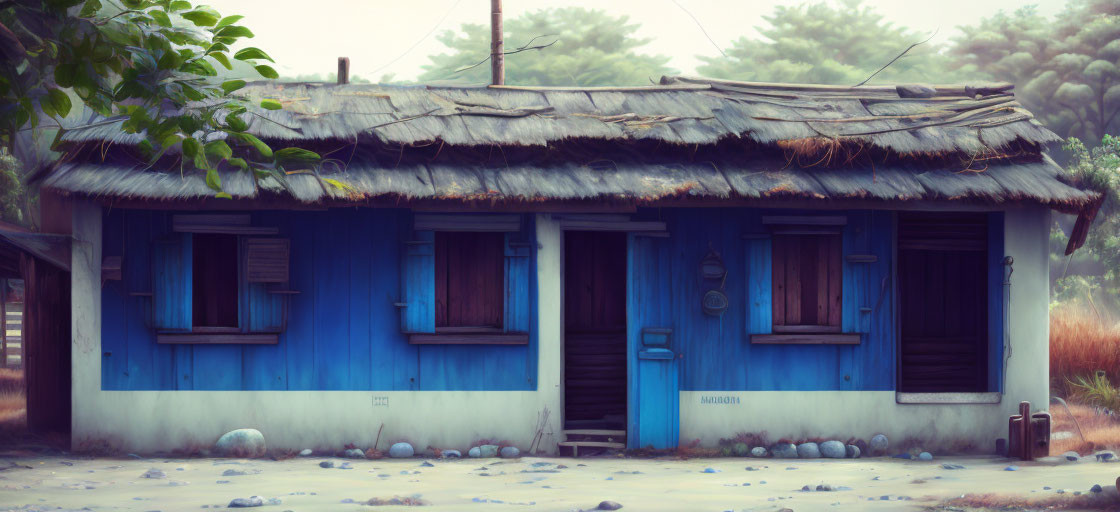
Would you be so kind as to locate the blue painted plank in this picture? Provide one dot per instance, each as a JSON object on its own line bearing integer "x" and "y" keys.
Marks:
{"x": 759, "y": 295}
{"x": 184, "y": 367}
{"x": 171, "y": 283}
{"x": 517, "y": 252}
{"x": 395, "y": 363}
{"x": 137, "y": 274}
{"x": 332, "y": 294}
{"x": 114, "y": 309}
{"x": 217, "y": 367}
{"x": 653, "y": 389}
{"x": 855, "y": 287}
{"x": 360, "y": 253}
{"x": 299, "y": 337}
{"x": 533, "y": 350}
{"x": 418, "y": 286}
{"x": 996, "y": 300}
{"x": 163, "y": 355}
{"x": 265, "y": 366}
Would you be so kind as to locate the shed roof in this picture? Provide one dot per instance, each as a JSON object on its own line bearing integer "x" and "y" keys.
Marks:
{"x": 686, "y": 138}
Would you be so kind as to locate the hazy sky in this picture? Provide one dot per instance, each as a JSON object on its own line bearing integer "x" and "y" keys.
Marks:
{"x": 308, "y": 37}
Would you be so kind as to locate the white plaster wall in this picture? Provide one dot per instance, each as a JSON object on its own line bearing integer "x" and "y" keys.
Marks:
{"x": 147, "y": 421}
{"x": 861, "y": 414}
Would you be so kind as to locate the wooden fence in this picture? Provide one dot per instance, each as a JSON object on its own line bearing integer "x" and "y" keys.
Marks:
{"x": 11, "y": 329}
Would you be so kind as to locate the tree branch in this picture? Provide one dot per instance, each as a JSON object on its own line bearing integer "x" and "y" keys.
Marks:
{"x": 911, "y": 47}
{"x": 526, "y": 47}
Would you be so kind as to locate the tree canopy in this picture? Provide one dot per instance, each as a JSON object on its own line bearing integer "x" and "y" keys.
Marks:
{"x": 820, "y": 43}
{"x": 591, "y": 48}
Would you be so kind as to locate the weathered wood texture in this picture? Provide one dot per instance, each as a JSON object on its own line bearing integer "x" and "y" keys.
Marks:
{"x": 594, "y": 326}
{"x": 943, "y": 299}
{"x": 343, "y": 330}
{"x": 46, "y": 345}
{"x": 469, "y": 279}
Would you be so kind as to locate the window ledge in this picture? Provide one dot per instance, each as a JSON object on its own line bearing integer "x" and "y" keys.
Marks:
{"x": 805, "y": 339}
{"x": 217, "y": 339}
{"x": 469, "y": 339}
{"x": 993, "y": 397}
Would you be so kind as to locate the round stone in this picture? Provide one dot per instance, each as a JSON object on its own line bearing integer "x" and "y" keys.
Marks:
{"x": 833, "y": 450}
{"x": 1072, "y": 456}
{"x": 852, "y": 451}
{"x": 450, "y": 454}
{"x": 808, "y": 451}
{"x": 925, "y": 456}
{"x": 475, "y": 452}
{"x": 1096, "y": 488}
{"x": 243, "y": 442}
{"x": 401, "y": 450}
{"x": 758, "y": 451}
{"x": 252, "y": 501}
{"x": 510, "y": 452}
{"x": 879, "y": 443}
{"x": 355, "y": 453}
{"x": 488, "y": 450}
{"x": 784, "y": 451}
{"x": 609, "y": 505}
{"x": 305, "y": 452}
{"x": 326, "y": 464}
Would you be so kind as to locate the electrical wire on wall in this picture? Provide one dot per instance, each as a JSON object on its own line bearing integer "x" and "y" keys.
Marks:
{"x": 1008, "y": 261}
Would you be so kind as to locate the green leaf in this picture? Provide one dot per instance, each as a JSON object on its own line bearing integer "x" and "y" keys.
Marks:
{"x": 271, "y": 104}
{"x": 234, "y": 31}
{"x": 64, "y": 74}
{"x": 90, "y": 9}
{"x": 267, "y": 72}
{"x": 59, "y": 101}
{"x": 213, "y": 180}
{"x": 169, "y": 60}
{"x": 228, "y": 20}
{"x": 252, "y": 53}
{"x": 232, "y": 85}
{"x": 201, "y": 16}
{"x": 296, "y": 155}
{"x": 239, "y": 163}
{"x": 161, "y": 18}
{"x": 217, "y": 47}
{"x": 223, "y": 195}
{"x": 217, "y": 150}
{"x": 222, "y": 59}
{"x": 190, "y": 147}
{"x": 178, "y": 5}
{"x": 235, "y": 123}
{"x": 262, "y": 149}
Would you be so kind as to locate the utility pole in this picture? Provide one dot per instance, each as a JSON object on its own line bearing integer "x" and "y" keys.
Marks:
{"x": 497, "y": 46}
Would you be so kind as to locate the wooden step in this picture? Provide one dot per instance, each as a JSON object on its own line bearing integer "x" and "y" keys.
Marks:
{"x": 575, "y": 445}
{"x": 595, "y": 432}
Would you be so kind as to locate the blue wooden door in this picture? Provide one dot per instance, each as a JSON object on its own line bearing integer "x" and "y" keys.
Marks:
{"x": 653, "y": 418}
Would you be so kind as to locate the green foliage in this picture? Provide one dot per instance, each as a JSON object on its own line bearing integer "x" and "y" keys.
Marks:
{"x": 11, "y": 188}
{"x": 826, "y": 44}
{"x": 1066, "y": 70}
{"x": 591, "y": 48}
{"x": 1096, "y": 390}
{"x": 1099, "y": 168}
{"x": 149, "y": 63}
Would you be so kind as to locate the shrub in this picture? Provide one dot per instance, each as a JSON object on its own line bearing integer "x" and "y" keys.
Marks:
{"x": 1080, "y": 344}
{"x": 1096, "y": 390}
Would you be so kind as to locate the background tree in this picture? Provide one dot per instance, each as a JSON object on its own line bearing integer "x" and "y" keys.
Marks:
{"x": 148, "y": 63}
{"x": 592, "y": 48}
{"x": 819, "y": 43}
{"x": 1066, "y": 70}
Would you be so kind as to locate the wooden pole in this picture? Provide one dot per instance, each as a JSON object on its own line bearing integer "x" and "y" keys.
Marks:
{"x": 497, "y": 45}
{"x": 3, "y": 324}
{"x": 343, "y": 70}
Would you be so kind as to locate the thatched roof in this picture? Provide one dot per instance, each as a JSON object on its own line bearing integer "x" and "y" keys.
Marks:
{"x": 687, "y": 138}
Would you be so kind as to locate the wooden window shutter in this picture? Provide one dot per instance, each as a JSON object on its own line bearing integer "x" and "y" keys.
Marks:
{"x": 858, "y": 290}
{"x": 517, "y": 310}
{"x": 759, "y": 293}
{"x": 418, "y": 284}
{"x": 267, "y": 269}
{"x": 267, "y": 259}
{"x": 172, "y": 284}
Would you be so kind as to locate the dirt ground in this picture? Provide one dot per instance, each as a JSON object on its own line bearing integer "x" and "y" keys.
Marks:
{"x": 531, "y": 483}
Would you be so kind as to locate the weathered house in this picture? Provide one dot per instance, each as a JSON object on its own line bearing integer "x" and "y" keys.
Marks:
{"x": 682, "y": 261}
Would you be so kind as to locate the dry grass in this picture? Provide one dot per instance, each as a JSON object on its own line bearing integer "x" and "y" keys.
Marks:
{"x": 13, "y": 403}
{"x": 1101, "y": 432}
{"x": 1080, "y": 344}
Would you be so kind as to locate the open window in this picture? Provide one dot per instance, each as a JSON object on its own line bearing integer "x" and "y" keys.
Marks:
{"x": 465, "y": 280}
{"x": 217, "y": 279}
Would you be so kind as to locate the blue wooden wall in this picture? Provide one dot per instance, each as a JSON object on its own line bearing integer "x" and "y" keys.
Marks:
{"x": 343, "y": 331}
{"x": 716, "y": 351}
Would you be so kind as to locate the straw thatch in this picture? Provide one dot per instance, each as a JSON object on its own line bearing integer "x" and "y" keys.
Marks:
{"x": 686, "y": 138}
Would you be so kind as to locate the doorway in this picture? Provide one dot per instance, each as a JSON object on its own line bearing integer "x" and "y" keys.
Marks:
{"x": 595, "y": 372}
{"x": 943, "y": 302}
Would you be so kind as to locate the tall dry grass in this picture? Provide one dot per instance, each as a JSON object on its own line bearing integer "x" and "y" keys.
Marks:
{"x": 1080, "y": 344}
{"x": 13, "y": 403}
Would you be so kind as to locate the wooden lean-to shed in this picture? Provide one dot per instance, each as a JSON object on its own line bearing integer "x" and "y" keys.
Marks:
{"x": 631, "y": 266}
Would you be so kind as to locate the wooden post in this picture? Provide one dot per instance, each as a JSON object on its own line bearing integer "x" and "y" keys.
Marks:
{"x": 497, "y": 46}
{"x": 1026, "y": 445}
{"x": 343, "y": 70}
{"x": 3, "y": 324}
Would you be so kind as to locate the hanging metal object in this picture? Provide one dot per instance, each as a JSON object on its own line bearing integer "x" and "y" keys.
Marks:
{"x": 714, "y": 303}
{"x": 711, "y": 267}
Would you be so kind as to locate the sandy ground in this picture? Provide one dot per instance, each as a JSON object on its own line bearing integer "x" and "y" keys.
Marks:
{"x": 531, "y": 483}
